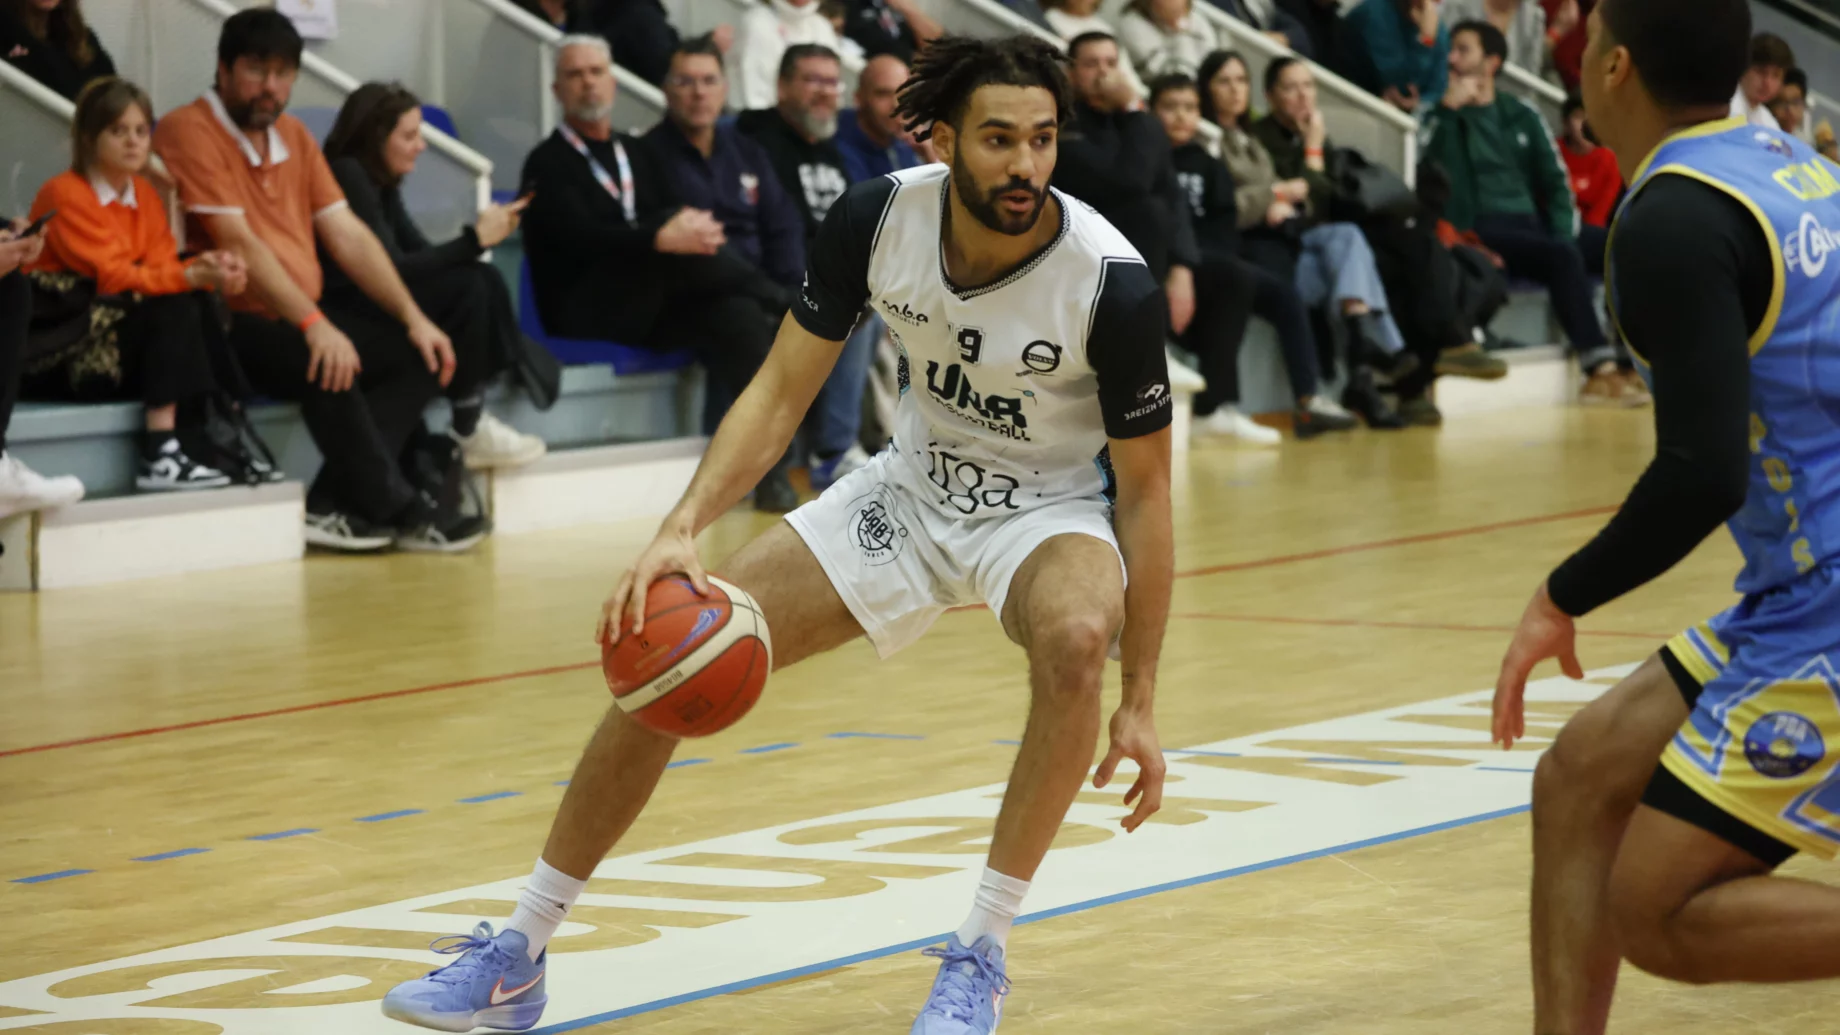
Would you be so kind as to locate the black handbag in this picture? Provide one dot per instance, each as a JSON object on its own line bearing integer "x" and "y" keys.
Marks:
{"x": 1366, "y": 191}
{"x": 436, "y": 468}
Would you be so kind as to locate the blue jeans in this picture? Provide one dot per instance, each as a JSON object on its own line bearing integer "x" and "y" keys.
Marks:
{"x": 1337, "y": 265}
{"x": 837, "y": 411}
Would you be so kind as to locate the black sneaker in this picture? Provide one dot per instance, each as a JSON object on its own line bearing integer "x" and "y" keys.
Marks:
{"x": 1364, "y": 398}
{"x": 455, "y": 535}
{"x": 1420, "y": 413}
{"x": 775, "y": 494}
{"x": 170, "y": 470}
{"x": 347, "y": 533}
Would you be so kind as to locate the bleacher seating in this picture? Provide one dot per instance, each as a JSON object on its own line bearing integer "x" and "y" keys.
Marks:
{"x": 483, "y": 69}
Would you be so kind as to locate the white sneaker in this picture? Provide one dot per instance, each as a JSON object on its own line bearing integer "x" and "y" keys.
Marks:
{"x": 497, "y": 444}
{"x": 1323, "y": 406}
{"x": 22, "y": 488}
{"x": 826, "y": 473}
{"x": 1228, "y": 421}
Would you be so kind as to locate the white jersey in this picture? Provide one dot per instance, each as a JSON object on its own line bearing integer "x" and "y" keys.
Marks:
{"x": 1010, "y": 390}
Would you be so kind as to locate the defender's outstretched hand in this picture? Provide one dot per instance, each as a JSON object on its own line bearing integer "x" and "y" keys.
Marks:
{"x": 1545, "y": 632}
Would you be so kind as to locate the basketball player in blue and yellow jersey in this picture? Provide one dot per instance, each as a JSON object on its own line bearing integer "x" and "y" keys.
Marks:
{"x": 1723, "y": 278}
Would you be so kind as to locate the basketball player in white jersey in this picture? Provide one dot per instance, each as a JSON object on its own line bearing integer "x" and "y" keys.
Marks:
{"x": 1029, "y": 470}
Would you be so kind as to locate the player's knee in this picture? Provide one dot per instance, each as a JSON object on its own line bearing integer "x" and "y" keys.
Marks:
{"x": 1073, "y": 644}
{"x": 1652, "y": 947}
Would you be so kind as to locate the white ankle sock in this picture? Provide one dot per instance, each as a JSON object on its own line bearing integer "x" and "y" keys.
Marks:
{"x": 999, "y": 899}
{"x": 544, "y": 904}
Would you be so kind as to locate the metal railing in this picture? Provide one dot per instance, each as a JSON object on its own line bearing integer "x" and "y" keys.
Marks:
{"x": 169, "y": 47}
{"x": 36, "y": 144}
{"x": 1546, "y": 98}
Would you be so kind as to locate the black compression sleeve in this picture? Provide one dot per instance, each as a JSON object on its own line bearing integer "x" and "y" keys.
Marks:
{"x": 1125, "y": 349}
{"x": 1693, "y": 273}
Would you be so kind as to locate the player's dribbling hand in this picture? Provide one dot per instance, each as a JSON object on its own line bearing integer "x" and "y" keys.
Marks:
{"x": 1134, "y": 737}
{"x": 672, "y": 552}
{"x": 1545, "y": 632}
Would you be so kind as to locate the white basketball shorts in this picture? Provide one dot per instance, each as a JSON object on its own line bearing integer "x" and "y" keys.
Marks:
{"x": 899, "y": 564}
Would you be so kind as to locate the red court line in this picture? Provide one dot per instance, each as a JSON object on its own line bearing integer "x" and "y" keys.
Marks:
{"x": 1382, "y": 544}
{"x": 1334, "y": 551}
{"x": 292, "y": 709}
{"x": 1358, "y": 623}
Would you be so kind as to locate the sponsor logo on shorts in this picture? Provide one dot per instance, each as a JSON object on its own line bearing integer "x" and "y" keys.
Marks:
{"x": 1041, "y": 357}
{"x": 873, "y": 527}
{"x": 1154, "y": 397}
{"x": 1783, "y": 744}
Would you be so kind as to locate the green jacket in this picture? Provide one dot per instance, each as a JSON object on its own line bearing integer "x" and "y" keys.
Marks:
{"x": 1501, "y": 160}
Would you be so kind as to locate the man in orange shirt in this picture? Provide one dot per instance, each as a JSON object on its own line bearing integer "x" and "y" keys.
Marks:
{"x": 254, "y": 182}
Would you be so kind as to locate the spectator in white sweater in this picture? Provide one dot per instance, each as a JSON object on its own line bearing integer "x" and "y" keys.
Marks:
{"x": 1164, "y": 36}
{"x": 766, "y": 30}
{"x": 1071, "y": 18}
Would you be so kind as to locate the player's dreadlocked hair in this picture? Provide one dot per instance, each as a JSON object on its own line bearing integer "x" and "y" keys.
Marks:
{"x": 950, "y": 69}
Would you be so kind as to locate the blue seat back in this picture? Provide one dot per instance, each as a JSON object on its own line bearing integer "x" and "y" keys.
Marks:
{"x": 579, "y": 351}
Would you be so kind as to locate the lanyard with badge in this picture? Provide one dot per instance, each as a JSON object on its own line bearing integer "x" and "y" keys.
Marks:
{"x": 622, "y": 191}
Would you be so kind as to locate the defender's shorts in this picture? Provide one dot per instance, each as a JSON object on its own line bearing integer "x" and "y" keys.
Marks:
{"x": 899, "y": 564}
{"x": 1763, "y": 740}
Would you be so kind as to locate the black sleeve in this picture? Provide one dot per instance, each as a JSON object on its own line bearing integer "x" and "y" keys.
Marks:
{"x": 366, "y": 201}
{"x": 427, "y": 258}
{"x": 1125, "y": 348}
{"x": 1693, "y": 275}
{"x": 837, "y": 267}
{"x": 101, "y": 64}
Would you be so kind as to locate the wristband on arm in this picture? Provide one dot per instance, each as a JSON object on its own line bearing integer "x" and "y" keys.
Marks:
{"x": 312, "y": 318}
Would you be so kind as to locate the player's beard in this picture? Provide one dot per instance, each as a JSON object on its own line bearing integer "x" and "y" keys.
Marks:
{"x": 982, "y": 204}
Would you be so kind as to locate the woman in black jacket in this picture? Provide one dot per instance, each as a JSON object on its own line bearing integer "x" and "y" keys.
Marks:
{"x": 373, "y": 145}
{"x": 50, "y": 42}
{"x": 1209, "y": 190}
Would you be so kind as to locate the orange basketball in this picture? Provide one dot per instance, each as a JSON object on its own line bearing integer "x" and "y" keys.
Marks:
{"x": 700, "y": 662}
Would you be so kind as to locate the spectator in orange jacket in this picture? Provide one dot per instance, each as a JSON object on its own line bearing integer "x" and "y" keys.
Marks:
{"x": 110, "y": 232}
{"x": 1596, "y": 181}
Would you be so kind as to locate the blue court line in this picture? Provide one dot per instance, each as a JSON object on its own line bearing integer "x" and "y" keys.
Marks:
{"x": 565, "y": 783}
{"x": 381, "y": 816}
{"x": 764, "y": 748}
{"x": 43, "y": 877}
{"x": 680, "y": 763}
{"x": 875, "y": 736}
{"x": 280, "y": 834}
{"x": 1046, "y": 914}
{"x": 1499, "y": 769}
{"x": 1185, "y": 751}
{"x": 494, "y": 796}
{"x": 1008, "y": 743}
{"x": 177, "y": 853}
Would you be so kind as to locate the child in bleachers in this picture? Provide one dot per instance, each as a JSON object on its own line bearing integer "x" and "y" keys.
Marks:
{"x": 126, "y": 319}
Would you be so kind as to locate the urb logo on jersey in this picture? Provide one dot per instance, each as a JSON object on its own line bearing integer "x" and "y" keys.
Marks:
{"x": 1000, "y": 413}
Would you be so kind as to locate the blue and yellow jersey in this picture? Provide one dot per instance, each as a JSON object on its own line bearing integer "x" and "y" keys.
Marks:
{"x": 1790, "y": 521}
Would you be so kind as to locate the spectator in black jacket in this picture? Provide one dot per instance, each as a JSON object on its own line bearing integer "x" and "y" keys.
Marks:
{"x": 716, "y": 167}
{"x": 615, "y": 256}
{"x": 51, "y": 43}
{"x": 1118, "y": 161}
{"x": 896, "y": 27}
{"x": 800, "y": 137}
{"x": 798, "y": 133}
{"x": 373, "y": 145}
{"x": 1210, "y": 193}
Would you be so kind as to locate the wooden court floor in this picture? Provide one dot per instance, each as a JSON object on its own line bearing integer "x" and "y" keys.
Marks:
{"x": 229, "y": 752}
